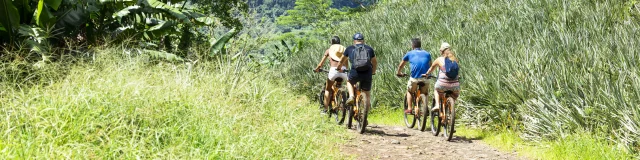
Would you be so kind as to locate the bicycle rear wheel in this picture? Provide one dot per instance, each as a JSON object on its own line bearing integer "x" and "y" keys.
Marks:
{"x": 340, "y": 112}
{"x": 409, "y": 119}
{"x": 362, "y": 115}
{"x": 350, "y": 115}
{"x": 321, "y": 100}
{"x": 450, "y": 119}
{"x": 424, "y": 113}
{"x": 435, "y": 119}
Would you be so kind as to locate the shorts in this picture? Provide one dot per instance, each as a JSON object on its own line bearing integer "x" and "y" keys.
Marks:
{"x": 442, "y": 86}
{"x": 334, "y": 74}
{"x": 364, "y": 77}
{"x": 413, "y": 83}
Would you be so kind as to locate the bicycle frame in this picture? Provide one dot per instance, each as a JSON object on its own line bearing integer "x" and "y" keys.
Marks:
{"x": 336, "y": 88}
{"x": 443, "y": 105}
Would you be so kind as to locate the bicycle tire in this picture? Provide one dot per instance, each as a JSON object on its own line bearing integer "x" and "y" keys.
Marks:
{"x": 409, "y": 119}
{"x": 341, "y": 110}
{"x": 424, "y": 113}
{"x": 450, "y": 118}
{"x": 362, "y": 116}
{"x": 435, "y": 119}
{"x": 321, "y": 99}
{"x": 349, "y": 116}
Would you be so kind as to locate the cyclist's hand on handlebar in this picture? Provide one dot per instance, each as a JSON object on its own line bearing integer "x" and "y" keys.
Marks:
{"x": 317, "y": 69}
{"x": 428, "y": 76}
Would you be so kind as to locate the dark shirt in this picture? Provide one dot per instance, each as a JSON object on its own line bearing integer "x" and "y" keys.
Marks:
{"x": 350, "y": 52}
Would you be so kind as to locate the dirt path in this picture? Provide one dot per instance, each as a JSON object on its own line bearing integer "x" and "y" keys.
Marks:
{"x": 398, "y": 142}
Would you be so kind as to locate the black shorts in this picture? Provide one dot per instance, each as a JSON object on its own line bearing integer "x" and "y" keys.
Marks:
{"x": 364, "y": 77}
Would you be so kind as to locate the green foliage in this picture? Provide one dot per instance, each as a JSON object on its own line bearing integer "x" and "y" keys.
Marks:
{"x": 118, "y": 106}
{"x": 218, "y": 45}
{"x": 140, "y": 20}
{"x": 316, "y": 14}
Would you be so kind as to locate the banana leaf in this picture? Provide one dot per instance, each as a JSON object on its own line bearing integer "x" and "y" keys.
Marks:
{"x": 174, "y": 12}
{"x": 9, "y": 16}
{"x": 220, "y": 43}
{"x": 54, "y": 4}
{"x": 43, "y": 15}
{"x": 126, "y": 11}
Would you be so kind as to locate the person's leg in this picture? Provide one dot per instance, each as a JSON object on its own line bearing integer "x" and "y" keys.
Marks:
{"x": 411, "y": 88}
{"x": 327, "y": 94}
{"x": 351, "y": 83}
{"x": 367, "y": 99}
{"x": 437, "y": 97}
{"x": 365, "y": 84}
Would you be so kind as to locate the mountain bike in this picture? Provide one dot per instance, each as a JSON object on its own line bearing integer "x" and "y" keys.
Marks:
{"x": 419, "y": 112}
{"x": 337, "y": 105}
{"x": 445, "y": 117}
{"x": 358, "y": 112}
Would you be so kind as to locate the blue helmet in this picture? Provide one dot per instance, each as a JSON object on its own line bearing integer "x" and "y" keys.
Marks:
{"x": 358, "y": 36}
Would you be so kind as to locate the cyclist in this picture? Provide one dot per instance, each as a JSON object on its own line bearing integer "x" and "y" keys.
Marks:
{"x": 420, "y": 61}
{"x": 448, "y": 76}
{"x": 363, "y": 66}
{"x": 335, "y": 54}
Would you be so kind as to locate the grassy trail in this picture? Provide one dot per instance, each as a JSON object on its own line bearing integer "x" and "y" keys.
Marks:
{"x": 128, "y": 108}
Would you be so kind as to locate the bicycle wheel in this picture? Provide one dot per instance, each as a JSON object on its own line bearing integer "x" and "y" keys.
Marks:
{"x": 435, "y": 119}
{"x": 450, "y": 119}
{"x": 409, "y": 119}
{"x": 362, "y": 115}
{"x": 321, "y": 99}
{"x": 350, "y": 114}
{"x": 424, "y": 113}
{"x": 341, "y": 110}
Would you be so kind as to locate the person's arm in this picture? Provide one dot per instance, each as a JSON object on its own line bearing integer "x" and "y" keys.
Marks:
{"x": 324, "y": 58}
{"x": 433, "y": 67}
{"x": 400, "y": 67}
{"x": 374, "y": 62}
{"x": 344, "y": 60}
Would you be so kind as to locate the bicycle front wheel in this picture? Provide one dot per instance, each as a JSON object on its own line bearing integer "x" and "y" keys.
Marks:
{"x": 450, "y": 119}
{"x": 340, "y": 112}
{"x": 409, "y": 119}
{"x": 424, "y": 113}
{"x": 434, "y": 117}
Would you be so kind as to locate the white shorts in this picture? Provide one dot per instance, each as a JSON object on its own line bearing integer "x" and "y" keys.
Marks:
{"x": 413, "y": 83}
{"x": 333, "y": 74}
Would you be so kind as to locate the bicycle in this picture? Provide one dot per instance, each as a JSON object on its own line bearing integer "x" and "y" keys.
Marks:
{"x": 337, "y": 104}
{"x": 445, "y": 117}
{"x": 358, "y": 112}
{"x": 419, "y": 111}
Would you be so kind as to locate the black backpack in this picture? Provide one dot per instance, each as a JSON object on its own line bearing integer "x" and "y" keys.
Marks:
{"x": 362, "y": 59}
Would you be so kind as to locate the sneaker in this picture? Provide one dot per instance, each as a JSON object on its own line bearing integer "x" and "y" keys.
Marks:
{"x": 324, "y": 111}
{"x": 408, "y": 111}
{"x": 350, "y": 100}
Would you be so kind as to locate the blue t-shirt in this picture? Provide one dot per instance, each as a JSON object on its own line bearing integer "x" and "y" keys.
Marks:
{"x": 419, "y": 60}
{"x": 350, "y": 52}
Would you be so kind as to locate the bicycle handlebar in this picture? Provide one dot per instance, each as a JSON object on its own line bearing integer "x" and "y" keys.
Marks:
{"x": 327, "y": 71}
{"x": 404, "y": 75}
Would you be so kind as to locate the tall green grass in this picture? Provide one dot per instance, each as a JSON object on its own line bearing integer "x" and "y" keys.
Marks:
{"x": 124, "y": 106}
{"x": 547, "y": 67}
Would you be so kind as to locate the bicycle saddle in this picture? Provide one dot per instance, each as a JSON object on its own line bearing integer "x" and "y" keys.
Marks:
{"x": 339, "y": 80}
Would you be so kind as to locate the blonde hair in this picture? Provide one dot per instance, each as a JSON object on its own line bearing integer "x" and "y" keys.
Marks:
{"x": 450, "y": 54}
